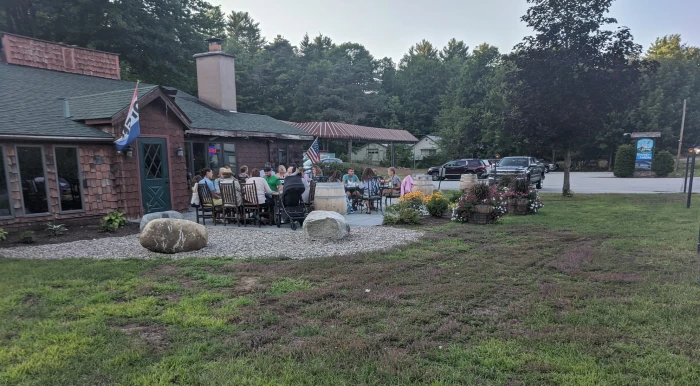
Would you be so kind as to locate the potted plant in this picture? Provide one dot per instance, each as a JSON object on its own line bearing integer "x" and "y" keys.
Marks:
{"x": 481, "y": 205}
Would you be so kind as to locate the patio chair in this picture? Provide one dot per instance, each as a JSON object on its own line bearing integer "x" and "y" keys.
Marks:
{"x": 232, "y": 208}
{"x": 372, "y": 195}
{"x": 208, "y": 206}
{"x": 312, "y": 195}
{"x": 250, "y": 203}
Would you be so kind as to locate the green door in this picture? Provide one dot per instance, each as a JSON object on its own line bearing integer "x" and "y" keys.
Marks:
{"x": 155, "y": 184}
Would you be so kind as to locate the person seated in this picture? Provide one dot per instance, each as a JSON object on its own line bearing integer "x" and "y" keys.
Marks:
{"x": 263, "y": 190}
{"x": 316, "y": 172}
{"x": 262, "y": 172}
{"x": 272, "y": 180}
{"x": 335, "y": 177}
{"x": 393, "y": 181}
{"x": 244, "y": 172}
{"x": 227, "y": 178}
{"x": 350, "y": 180}
{"x": 207, "y": 180}
{"x": 194, "y": 201}
{"x": 281, "y": 172}
{"x": 370, "y": 186}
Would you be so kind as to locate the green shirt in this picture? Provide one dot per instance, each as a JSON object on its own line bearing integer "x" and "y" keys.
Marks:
{"x": 273, "y": 181}
{"x": 354, "y": 178}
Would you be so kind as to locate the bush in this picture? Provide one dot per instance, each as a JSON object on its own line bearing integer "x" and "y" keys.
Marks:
{"x": 414, "y": 200}
{"x": 112, "y": 221}
{"x": 3, "y": 234}
{"x": 507, "y": 181}
{"x": 521, "y": 186}
{"x": 480, "y": 192}
{"x": 453, "y": 195}
{"x": 27, "y": 237}
{"x": 401, "y": 213}
{"x": 56, "y": 229}
{"x": 624, "y": 161}
{"x": 436, "y": 204}
{"x": 328, "y": 169}
{"x": 663, "y": 164}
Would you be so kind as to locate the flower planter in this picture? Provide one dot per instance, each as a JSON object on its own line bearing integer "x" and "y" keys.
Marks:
{"x": 481, "y": 215}
{"x": 521, "y": 207}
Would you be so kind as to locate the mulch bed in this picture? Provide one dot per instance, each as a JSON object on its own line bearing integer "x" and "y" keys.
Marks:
{"x": 74, "y": 233}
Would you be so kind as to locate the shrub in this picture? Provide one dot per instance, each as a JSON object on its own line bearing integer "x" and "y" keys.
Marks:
{"x": 402, "y": 213}
{"x": 56, "y": 229}
{"x": 436, "y": 204}
{"x": 414, "y": 200}
{"x": 27, "y": 237}
{"x": 3, "y": 235}
{"x": 521, "y": 186}
{"x": 328, "y": 169}
{"x": 112, "y": 221}
{"x": 453, "y": 195}
{"x": 624, "y": 161}
{"x": 507, "y": 181}
{"x": 663, "y": 164}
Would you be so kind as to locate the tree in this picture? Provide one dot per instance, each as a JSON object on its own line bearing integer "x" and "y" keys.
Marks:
{"x": 572, "y": 75}
{"x": 244, "y": 33}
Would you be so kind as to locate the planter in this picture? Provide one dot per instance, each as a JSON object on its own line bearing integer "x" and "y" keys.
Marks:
{"x": 481, "y": 215}
{"x": 483, "y": 208}
{"x": 521, "y": 207}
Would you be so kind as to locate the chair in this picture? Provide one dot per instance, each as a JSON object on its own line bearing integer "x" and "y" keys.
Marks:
{"x": 372, "y": 194}
{"x": 230, "y": 203}
{"x": 312, "y": 195}
{"x": 207, "y": 204}
{"x": 250, "y": 202}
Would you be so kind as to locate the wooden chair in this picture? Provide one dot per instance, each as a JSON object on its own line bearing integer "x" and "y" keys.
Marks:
{"x": 250, "y": 202}
{"x": 312, "y": 195}
{"x": 230, "y": 203}
{"x": 207, "y": 205}
{"x": 372, "y": 195}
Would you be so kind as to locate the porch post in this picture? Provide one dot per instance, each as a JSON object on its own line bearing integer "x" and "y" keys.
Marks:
{"x": 350, "y": 150}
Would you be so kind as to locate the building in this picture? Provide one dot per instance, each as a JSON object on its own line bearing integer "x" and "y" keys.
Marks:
{"x": 426, "y": 147}
{"x": 61, "y": 108}
{"x": 371, "y": 153}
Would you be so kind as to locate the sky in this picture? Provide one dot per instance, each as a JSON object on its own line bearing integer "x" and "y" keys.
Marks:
{"x": 390, "y": 27}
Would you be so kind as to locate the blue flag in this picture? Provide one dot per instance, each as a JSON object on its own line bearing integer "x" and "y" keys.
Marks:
{"x": 132, "y": 126}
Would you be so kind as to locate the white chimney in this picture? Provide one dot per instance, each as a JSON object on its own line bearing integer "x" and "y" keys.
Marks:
{"x": 216, "y": 77}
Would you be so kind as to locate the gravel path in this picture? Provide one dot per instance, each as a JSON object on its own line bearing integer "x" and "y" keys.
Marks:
{"x": 227, "y": 242}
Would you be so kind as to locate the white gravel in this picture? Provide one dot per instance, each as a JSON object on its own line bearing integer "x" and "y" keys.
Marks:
{"x": 227, "y": 242}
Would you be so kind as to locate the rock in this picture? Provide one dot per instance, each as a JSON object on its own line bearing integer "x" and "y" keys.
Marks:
{"x": 169, "y": 235}
{"x": 152, "y": 216}
{"x": 325, "y": 225}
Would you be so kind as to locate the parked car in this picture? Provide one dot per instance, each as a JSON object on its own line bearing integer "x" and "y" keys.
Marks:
{"x": 546, "y": 164}
{"x": 522, "y": 168}
{"x": 488, "y": 165}
{"x": 326, "y": 161}
{"x": 455, "y": 169}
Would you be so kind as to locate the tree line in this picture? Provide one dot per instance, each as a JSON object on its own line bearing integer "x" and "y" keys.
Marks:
{"x": 571, "y": 90}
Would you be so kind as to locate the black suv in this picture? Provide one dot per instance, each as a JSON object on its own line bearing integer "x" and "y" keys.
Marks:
{"x": 454, "y": 169}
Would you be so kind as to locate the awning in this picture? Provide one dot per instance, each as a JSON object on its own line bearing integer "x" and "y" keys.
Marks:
{"x": 336, "y": 130}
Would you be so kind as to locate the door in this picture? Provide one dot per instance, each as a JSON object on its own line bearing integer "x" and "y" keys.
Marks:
{"x": 155, "y": 182}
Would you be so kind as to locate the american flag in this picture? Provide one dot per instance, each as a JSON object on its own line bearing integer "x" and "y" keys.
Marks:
{"x": 314, "y": 153}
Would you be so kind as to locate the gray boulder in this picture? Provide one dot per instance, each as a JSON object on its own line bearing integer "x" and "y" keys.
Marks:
{"x": 325, "y": 225}
{"x": 152, "y": 216}
{"x": 168, "y": 235}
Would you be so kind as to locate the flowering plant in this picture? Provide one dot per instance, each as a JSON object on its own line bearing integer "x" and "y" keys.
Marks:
{"x": 483, "y": 195}
{"x": 436, "y": 204}
{"x": 414, "y": 199}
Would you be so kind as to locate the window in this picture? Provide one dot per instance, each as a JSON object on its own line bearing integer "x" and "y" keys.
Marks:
{"x": 372, "y": 151}
{"x": 461, "y": 163}
{"x": 475, "y": 163}
{"x": 4, "y": 192}
{"x": 230, "y": 155}
{"x": 213, "y": 152}
{"x": 427, "y": 152}
{"x": 282, "y": 155}
{"x": 33, "y": 180}
{"x": 69, "y": 180}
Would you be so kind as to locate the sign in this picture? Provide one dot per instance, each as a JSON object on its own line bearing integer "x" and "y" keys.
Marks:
{"x": 645, "y": 154}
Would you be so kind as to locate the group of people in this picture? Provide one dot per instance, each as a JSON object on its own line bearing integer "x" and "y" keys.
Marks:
{"x": 267, "y": 182}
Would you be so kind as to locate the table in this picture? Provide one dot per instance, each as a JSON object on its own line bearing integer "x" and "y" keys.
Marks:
{"x": 389, "y": 196}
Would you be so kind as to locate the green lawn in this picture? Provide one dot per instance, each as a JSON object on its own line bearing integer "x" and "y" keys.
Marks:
{"x": 593, "y": 290}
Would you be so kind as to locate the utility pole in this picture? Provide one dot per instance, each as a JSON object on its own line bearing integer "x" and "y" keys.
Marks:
{"x": 680, "y": 140}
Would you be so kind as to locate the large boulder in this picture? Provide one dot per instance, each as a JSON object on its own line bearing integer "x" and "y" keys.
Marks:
{"x": 325, "y": 225}
{"x": 152, "y": 216}
{"x": 168, "y": 235}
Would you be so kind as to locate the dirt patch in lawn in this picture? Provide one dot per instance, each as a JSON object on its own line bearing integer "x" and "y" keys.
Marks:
{"x": 74, "y": 233}
{"x": 572, "y": 260}
{"x": 153, "y": 335}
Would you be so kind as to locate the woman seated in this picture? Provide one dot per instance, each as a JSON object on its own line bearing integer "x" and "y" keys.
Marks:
{"x": 369, "y": 184}
{"x": 263, "y": 190}
{"x": 244, "y": 172}
{"x": 394, "y": 183}
{"x": 316, "y": 172}
{"x": 335, "y": 177}
{"x": 281, "y": 172}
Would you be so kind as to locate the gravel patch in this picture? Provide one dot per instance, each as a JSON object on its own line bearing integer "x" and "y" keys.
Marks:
{"x": 227, "y": 242}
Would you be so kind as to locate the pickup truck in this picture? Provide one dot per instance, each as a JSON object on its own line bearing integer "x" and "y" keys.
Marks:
{"x": 521, "y": 167}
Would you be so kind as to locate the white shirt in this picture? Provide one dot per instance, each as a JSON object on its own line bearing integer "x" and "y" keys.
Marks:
{"x": 261, "y": 186}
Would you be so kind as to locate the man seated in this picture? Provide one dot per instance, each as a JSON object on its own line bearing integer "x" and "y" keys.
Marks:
{"x": 351, "y": 180}
{"x": 213, "y": 188}
{"x": 272, "y": 180}
{"x": 227, "y": 178}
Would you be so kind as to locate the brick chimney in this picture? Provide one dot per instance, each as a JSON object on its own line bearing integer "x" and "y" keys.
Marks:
{"x": 24, "y": 51}
{"x": 216, "y": 77}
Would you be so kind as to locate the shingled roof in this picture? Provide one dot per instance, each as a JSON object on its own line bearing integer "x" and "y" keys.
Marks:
{"x": 32, "y": 105}
{"x": 337, "y": 130}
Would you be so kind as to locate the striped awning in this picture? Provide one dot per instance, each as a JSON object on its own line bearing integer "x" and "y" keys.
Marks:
{"x": 336, "y": 130}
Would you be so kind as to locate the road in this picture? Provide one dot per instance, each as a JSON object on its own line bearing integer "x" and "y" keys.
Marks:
{"x": 601, "y": 182}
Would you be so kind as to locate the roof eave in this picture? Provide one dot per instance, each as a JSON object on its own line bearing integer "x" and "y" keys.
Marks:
{"x": 243, "y": 134}
{"x": 45, "y": 138}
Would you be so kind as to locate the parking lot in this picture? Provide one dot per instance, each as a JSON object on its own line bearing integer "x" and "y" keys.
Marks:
{"x": 601, "y": 182}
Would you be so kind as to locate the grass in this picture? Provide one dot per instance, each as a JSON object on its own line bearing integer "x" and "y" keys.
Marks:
{"x": 592, "y": 290}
